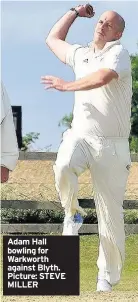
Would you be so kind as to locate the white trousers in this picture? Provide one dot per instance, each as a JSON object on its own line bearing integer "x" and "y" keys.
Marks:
{"x": 108, "y": 160}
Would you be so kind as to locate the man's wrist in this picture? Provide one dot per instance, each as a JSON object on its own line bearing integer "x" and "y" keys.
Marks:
{"x": 75, "y": 11}
{"x": 68, "y": 86}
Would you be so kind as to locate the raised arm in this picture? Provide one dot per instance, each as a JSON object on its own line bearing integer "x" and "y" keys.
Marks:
{"x": 56, "y": 38}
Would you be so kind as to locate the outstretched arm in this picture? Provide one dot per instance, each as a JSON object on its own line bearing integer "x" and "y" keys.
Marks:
{"x": 116, "y": 66}
{"x": 94, "y": 80}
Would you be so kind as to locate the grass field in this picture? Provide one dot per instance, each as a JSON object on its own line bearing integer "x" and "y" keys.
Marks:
{"x": 126, "y": 290}
{"x": 89, "y": 253}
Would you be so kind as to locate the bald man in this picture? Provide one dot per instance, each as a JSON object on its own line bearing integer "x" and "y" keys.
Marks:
{"x": 98, "y": 138}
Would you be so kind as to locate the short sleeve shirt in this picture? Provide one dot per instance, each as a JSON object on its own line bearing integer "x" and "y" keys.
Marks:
{"x": 103, "y": 111}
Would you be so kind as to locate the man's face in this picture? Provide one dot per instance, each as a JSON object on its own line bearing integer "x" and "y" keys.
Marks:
{"x": 107, "y": 28}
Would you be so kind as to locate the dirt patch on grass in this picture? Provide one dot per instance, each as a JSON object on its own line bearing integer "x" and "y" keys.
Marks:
{"x": 34, "y": 180}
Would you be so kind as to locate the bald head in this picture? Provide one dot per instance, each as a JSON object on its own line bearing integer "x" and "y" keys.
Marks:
{"x": 121, "y": 23}
{"x": 116, "y": 19}
{"x": 109, "y": 28}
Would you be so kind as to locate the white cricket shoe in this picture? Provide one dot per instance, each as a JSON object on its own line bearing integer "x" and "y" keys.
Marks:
{"x": 103, "y": 286}
{"x": 72, "y": 224}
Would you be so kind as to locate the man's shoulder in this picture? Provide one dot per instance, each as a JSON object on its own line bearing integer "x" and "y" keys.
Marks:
{"x": 80, "y": 50}
{"x": 119, "y": 49}
{"x": 119, "y": 55}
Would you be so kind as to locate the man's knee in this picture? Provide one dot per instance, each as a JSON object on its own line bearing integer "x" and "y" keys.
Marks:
{"x": 73, "y": 161}
{"x": 61, "y": 170}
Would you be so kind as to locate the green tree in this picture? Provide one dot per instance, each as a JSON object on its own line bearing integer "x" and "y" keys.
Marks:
{"x": 28, "y": 139}
{"x": 134, "y": 144}
{"x": 66, "y": 120}
{"x": 134, "y": 113}
{"x": 133, "y": 139}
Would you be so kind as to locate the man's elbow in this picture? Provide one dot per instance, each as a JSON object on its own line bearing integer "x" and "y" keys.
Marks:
{"x": 106, "y": 78}
{"x": 47, "y": 40}
{"x": 50, "y": 41}
{"x": 102, "y": 81}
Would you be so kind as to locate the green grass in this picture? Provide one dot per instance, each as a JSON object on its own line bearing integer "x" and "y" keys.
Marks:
{"x": 88, "y": 267}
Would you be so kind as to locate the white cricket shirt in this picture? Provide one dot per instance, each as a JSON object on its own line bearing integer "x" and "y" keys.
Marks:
{"x": 103, "y": 111}
{"x": 9, "y": 146}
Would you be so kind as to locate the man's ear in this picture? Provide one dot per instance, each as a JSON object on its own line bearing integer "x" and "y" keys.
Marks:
{"x": 118, "y": 35}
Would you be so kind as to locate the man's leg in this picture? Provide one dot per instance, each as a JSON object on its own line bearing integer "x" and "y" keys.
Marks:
{"x": 71, "y": 162}
{"x": 110, "y": 173}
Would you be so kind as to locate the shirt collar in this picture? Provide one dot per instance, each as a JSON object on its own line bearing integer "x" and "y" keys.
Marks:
{"x": 107, "y": 46}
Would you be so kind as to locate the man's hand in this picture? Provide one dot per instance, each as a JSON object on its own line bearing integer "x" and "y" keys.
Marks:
{"x": 53, "y": 82}
{"x": 4, "y": 174}
{"x": 85, "y": 10}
